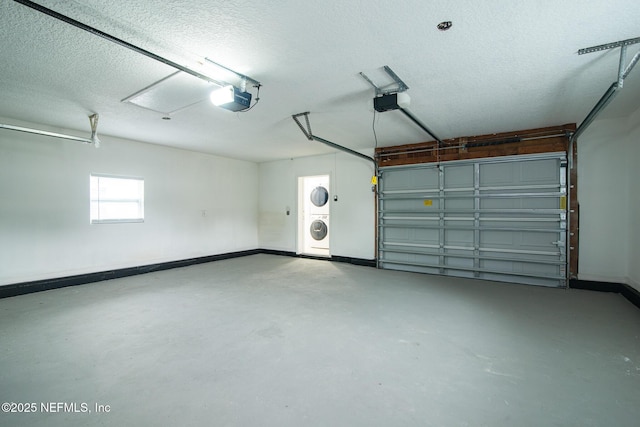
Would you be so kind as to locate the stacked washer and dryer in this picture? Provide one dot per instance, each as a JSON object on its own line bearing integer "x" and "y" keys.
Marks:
{"x": 316, "y": 216}
{"x": 319, "y": 216}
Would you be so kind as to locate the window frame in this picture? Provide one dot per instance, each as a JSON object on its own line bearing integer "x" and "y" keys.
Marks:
{"x": 139, "y": 200}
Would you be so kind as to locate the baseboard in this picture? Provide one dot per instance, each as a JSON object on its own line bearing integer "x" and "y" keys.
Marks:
{"x": 356, "y": 261}
{"x": 23, "y": 288}
{"x": 278, "y": 252}
{"x": 630, "y": 293}
{"x": 635, "y": 285}
{"x": 604, "y": 279}
{"x": 82, "y": 279}
{"x": 334, "y": 258}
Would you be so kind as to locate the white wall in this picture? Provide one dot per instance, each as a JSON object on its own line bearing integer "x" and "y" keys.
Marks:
{"x": 352, "y": 221}
{"x": 44, "y": 206}
{"x": 633, "y": 164}
{"x": 608, "y": 155}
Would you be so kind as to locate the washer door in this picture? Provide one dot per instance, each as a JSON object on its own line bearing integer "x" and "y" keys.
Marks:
{"x": 318, "y": 229}
{"x": 319, "y": 196}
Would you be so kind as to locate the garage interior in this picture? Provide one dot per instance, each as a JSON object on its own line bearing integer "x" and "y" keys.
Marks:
{"x": 405, "y": 214}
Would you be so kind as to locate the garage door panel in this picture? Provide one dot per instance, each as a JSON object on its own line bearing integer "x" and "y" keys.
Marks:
{"x": 457, "y": 177}
{"x": 459, "y": 251}
{"x": 413, "y": 258}
{"x": 546, "y": 257}
{"x": 398, "y": 234}
{"x": 526, "y": 280}
{"x": 499, "y": 174}
{"x": 539, "y": 171}
{"x": 414, "y": 179}
{"x": 543, "y": 171}
{"x": 425, "y": 236}
{"x": 527, "y": 268}
{"x": 497, "y": 239}
{"x": 414, "y": 204}
{"x": 540, "y": 203}
{"x": 459, "y": 238}
{"x": 519, "y": 240}
{"x": 498, "y": 219}
{"x": 538, "y": 240}
{"x": 520, "y": 203}
{"x": 503, "y": 203}
{"x": 464, "y": 263}
{"x": 462, "y": 201}
{"x": 412, "y": 236}
{"x": 529, "y": 219}
{"x": 514, "y": 224}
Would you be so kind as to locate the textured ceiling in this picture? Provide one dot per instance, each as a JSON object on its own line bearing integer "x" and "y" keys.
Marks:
{"x": 503, "y": 66}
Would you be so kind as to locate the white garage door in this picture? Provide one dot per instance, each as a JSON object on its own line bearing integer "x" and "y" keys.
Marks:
{"x": 500, "y": 218}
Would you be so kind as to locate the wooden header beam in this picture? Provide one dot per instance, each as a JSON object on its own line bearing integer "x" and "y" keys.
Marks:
{"x": 531, "y": 141}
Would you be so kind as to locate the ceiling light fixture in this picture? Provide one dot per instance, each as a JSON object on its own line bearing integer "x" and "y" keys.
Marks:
{"x": 231, "y": 98}
{"x": 222, "y": 95}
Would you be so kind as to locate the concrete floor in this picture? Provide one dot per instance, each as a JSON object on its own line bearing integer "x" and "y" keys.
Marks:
{"x": 276, "y": 341}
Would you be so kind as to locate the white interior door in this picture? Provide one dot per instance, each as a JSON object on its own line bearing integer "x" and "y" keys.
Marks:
{"x": 314, "y": 215}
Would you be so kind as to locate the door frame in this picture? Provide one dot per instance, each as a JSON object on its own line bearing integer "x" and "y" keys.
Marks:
{"x": 300, "y": 220}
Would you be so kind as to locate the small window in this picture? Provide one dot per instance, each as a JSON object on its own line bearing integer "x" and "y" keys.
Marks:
{"x": 116, "y": 199}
